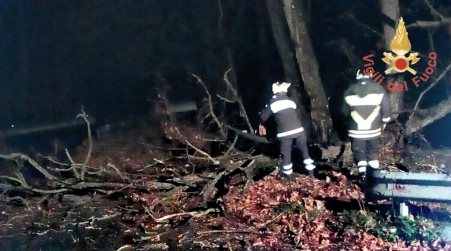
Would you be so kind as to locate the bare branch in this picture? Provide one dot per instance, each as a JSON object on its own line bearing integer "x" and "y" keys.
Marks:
{"x": 210, "y": 103}
{"x": 192, "y": 214}
{"x": 224, "y": 99}
{"x": 427, "y": 116}
{"x": 73, "y": 164}
{"x": 427, "y": 89}
{"x": 88, "y": 156}
{"x": 433, "y": 10}
{"x": 237, "y": 98}
{"x": 231, "y": 146}
{"x": 429, "y": 24}
{"x": 13, "y": 156}
{"x": 203, "y": 153}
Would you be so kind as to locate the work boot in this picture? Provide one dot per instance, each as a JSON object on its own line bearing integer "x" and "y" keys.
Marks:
{"x": 310, "y": 167}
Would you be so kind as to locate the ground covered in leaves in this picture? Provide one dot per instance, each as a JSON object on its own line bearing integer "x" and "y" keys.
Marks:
{"x": 162, "y": 200}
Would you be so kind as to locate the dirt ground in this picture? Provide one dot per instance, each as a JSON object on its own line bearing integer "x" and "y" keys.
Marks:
{"x": 165, "y": 201}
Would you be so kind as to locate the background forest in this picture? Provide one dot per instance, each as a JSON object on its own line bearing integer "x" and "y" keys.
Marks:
{"x": 162, "y": 183}
{"x": 109, "y": 55}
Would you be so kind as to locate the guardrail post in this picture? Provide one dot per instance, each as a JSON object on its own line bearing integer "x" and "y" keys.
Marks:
{"x": 403, "y": 209}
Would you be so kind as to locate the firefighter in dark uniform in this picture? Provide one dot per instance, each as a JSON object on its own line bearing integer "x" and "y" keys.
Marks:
{"x": 289, "y": 128}
{"x": 368, "y": 110}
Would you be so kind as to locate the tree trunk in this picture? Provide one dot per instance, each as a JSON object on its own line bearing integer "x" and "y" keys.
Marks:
{"x": 283, "y": 43}
{"x": 391, "y": 9}
{"x": 321, "y": 119}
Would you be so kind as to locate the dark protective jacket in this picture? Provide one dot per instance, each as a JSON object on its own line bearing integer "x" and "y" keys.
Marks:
{"x": 285, "y": 115}
{"x": 367, "y": 108}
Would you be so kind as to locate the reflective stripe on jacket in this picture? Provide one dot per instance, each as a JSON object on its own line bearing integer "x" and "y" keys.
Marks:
{"x": 368, "y": 108}
{"x": 285, "y": 115}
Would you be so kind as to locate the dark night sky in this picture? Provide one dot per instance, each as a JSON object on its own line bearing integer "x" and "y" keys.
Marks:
{"x": 58, "y": 55}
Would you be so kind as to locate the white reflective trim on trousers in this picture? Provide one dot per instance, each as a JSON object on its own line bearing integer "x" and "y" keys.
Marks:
{"x": 282, "y": 105}
{"x": 288, "y": 169}
{"x": 291, "y": 132}
{"x": 374, "y": 163}
{"x": 287, "y": 172}
{"x": 362, "y": 166}
{"x": 386, "y": 119}
{"x": 310, "y": 167}
{"x": 308, "y": 161}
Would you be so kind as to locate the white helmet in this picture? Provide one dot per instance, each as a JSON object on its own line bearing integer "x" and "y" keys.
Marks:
{"x": 361, "y": 75}
{"x": 280, "y": 87}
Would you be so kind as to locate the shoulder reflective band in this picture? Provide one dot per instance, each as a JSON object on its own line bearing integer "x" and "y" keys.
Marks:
{"x": 365, "y": 124}
{"x": 370, "y": 99}
{"x": 282, "y": 105}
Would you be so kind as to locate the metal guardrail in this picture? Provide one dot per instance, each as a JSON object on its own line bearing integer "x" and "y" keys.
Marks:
{"x": 406, "y": 186}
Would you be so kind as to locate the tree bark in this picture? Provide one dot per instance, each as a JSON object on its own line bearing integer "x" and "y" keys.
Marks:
{"x": 391, "y": 9}
{"x": 308, "y": 64}
{"x": 283, "y": 43}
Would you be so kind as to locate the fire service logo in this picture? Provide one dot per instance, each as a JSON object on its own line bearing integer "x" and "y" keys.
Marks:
{"x": 401, "y": 46}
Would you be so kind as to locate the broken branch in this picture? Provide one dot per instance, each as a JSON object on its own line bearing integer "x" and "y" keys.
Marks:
{"x": 425, "y": 91}
{"x": 192, "y": 214}
{"x": 210, "y": 103}
{"x": 88, "y": 155}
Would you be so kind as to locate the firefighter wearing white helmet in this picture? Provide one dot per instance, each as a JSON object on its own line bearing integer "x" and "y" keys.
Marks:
{"x": 368, "y": 111}
{"x": 289, "y": 128}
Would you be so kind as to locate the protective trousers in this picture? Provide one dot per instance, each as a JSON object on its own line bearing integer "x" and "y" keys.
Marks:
{"x": 365, "y": 152}
{"x": 286, "y": 145}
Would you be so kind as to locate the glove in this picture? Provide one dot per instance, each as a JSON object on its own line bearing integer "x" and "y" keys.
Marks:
{"x": 261, "y": 130}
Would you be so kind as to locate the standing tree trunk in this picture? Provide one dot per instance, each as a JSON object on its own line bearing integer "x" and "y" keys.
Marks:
{"x": 391, "y": 9}
{"x": 283, "y": 42}
{"x": 321, "y": 119}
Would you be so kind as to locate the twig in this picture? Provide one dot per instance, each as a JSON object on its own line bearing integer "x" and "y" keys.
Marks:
{"x": 92, "y": 219}
{"x": 427, "y": 89}
{"x": 192, "y": 214}
{"x": 49, "y": 158}
{"x": 223, "y": 231}
{"x": 428, "y": 24}
{"x": 224, "y": 99}
{"x": 73, "y": 164}
{"x": 116, "y": 170}
{"x": 215, "y": 162}
{"x": 13, "y": 156}
{"x": 88, "y": 156}
{"x": 18, "y": 180}
{"x": 124, "y": 247}
{"x": 231, "y": 146}
{"x": 433, "y": 10}
{"x": 157, "y": 161}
